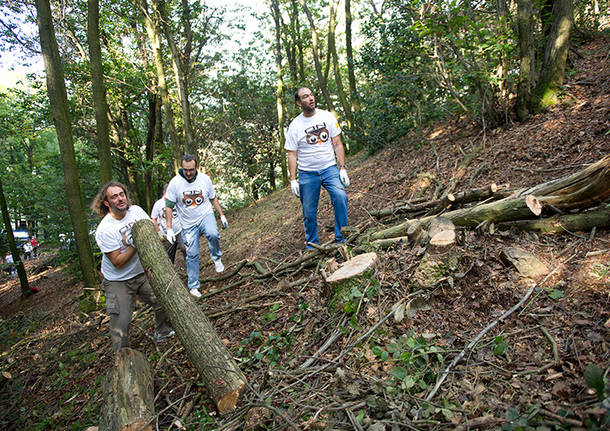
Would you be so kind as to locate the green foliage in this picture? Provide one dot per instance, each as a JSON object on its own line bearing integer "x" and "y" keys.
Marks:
{"x": 594, "y": 377}
{"x": 500, "y": 346}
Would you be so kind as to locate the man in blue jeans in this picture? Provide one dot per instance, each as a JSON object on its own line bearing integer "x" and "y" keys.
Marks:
{"x": 313, "y": 140}
{"x": 192, "y": 194}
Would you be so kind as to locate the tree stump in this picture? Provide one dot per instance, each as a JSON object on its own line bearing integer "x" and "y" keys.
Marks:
{"x": 347, "y": 276}
{"x": 204, "y": 348}
{"x": 440, "y": 258}
{"x": 128, "y": 394}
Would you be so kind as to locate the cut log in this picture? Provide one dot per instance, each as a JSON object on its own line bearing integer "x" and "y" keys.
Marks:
{"x": 204, "y": 348}
{"x": 573, "y": 222}
{"x": 384, "y": 244}
{"x": 583, "y": 189}
{"x": 128, "y": 394}
{"x": 526, "y": 263}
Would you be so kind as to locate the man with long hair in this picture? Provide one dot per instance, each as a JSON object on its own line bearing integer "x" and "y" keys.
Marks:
{"x": 124, "y": 277}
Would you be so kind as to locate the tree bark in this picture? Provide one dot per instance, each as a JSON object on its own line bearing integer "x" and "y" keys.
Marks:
{"x": 99, "y": 92}
{"x": 204, "y": 348}
{"x": 61, "y": 118}
{"x": 279, "y": 95}
{"x": 152, "y": 29}
{"x": 316, "y": 58}
{"x": 23, "y": 278}
{"x": 555, "y": 54}
{"x": 525, "y": 25}
{"x": 129, "y": 401}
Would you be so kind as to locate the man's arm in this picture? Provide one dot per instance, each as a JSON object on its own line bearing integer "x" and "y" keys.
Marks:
{"x": 119, "y": 258}
{"x": 216, "y": 205}
{"x": 292, "y": 164}
{"x": 168, "y": 217}
{"x": 339, "y": 151}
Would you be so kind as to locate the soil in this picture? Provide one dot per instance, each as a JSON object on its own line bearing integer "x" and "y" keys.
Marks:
{"x": 528, "y": 372}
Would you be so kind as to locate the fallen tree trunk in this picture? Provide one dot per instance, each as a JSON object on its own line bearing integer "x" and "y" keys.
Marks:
{"x": 128, "y": 394}
{"x": 583, "y": 189}
{"x": 573, "y": 222}
{"x": 204, "y": 348}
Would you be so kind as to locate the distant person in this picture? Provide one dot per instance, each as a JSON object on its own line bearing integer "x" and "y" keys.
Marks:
{"x": 313, "y": 140}
{"x": 62, "y": 241}
{"x": 35, "y": 246}
{"x": 192, "y": 194}
{"x": 27, "y": 250}
{"x": 9, "y": 261}
{"x": 158, "y": 217}
{"x": 124, "y": 277}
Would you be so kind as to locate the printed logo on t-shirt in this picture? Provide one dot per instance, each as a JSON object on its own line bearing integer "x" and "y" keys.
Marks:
{"x": 192, "y": 198}
{"x": 174, "y": 213}
{"x": 125, "y": 232}
{"x": 317, "y": 135}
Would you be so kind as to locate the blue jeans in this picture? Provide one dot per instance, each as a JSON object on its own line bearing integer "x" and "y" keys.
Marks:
{"x": 309, "y": 186}
{"x": 190, "y": 237}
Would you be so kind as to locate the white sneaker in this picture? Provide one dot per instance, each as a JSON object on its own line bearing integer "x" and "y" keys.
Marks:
{"x": 195, "y": 292}
{"x": 219, "y": 266}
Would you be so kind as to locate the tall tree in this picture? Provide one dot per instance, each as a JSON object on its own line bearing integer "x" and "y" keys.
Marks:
{"x": 555, "y": 54}
{"x": 61, "y": 117}
{"x": 526, "y": 61}
{"x": 99, "y": 91}
{"x": 316, "y": 57}
{"x": 279, "y": 95}
{"x": 151, "y": 22}
{"x": 349, "y": 52}
{"x": 23, "y": 278}
{"x": 332, "y": 48}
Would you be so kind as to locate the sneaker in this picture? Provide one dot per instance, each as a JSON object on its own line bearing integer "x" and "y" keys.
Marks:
{"x": 219, "y": 266}
{"x": 195, "y": 292}
{"x": 161, "y": 338}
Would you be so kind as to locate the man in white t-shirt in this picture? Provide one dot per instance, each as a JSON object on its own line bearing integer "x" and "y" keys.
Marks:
{"x": 313, "y": 140}
{"x": 124, "y": 277}
{"x": 192, "y": 194}
{"x": 158, "y": 217}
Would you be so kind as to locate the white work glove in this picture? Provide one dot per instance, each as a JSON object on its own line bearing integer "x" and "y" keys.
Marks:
{"x": 344, "y": 177}
{"x": 224, "y": 222}
{"x": 171, "y": 236}
{"x": 294, "y": 186}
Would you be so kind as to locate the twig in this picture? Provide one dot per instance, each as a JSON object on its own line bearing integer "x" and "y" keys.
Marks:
{"x": 239, "y": 266}
{"x": 561, "y": 418}
{"x": 353, "y": 420}
{"x": 222, "y": 289}
{"x": 548, "y": 335}
{"x": 336, "y": 334}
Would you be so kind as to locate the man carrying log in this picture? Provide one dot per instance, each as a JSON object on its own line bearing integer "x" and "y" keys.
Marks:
{"x": 193, "y": 195}
{"x": 158, "y": 217}
{"x": 124, "y": 277}
{"x": 313, "y": 140}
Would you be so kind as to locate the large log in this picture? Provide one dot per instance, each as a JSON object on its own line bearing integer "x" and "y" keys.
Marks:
{"x": 572, "y": 222}
{"x": 204, "y": 348}
{"x": 583, "y": 189}
{"x": 128, "y": 394}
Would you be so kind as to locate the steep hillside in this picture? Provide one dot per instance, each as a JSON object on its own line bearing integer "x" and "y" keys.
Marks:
{"x": 355, "y": 368}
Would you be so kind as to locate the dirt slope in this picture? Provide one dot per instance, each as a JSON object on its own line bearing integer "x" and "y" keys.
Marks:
{"x": 527, "y": 372}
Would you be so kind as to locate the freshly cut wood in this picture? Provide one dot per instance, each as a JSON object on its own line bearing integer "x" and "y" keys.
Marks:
{"x": 533, "y": 204}
{"x": 443, "y": 238}
{"x": 526, "y": 263}
{"x": 354, "y": 267}
{"x": 204, "y": 348}
{"x": 583, "y": 189}
{"x": 128, "y": 394}
{"x": 441, "y": 232}
{"x": 573, "y": 222}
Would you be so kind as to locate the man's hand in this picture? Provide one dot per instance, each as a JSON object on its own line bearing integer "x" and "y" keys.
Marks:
{"x": 344, "y": 177}
{"x": 224, "y": 222}
{"x": 161, "y": 235}
{"x": 171, "y": 236}
{"x": 127, "y": 239}
{"x": 294, "y": 186}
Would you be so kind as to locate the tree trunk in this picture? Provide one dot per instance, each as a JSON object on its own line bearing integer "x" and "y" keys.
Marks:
{"x": 61, "y": 117}
{"x": 279, "y": 95}
{"x": 525, "y": 25}
{"x": 152, "y": 29}
{"x": 181, "y": 67}
{"x": 555, "y": 54}
{"x": 332, "y": 48}
{"x": 23, "y": 278}
{"x": 150, "y": 150}
{"x": 316, "y": 58}
{"x": 558, "y": 224}
{"x": 129, "y": 401}
{"x": 204, "y": 348}
{"x": 350, "y": 57}
{"x": 99, "y": 92}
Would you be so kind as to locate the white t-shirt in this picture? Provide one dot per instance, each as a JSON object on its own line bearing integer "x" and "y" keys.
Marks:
{"x": 192, "y": 199}
{"x": 311, "y": 137}
{"x": 110, "y": 236}
{"x": 158, "y": 213}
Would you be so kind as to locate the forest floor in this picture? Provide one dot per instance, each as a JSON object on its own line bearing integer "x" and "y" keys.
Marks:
{"x": 526, "y": 373}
